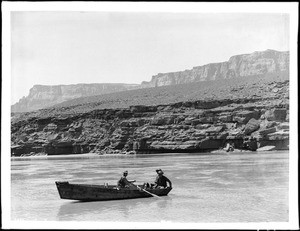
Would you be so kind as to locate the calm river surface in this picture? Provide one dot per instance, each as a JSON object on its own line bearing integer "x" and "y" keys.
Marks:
{"x": 240, "y": 187}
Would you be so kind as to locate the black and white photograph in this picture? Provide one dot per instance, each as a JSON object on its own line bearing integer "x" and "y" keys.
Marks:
{"x": 149, "y": 115}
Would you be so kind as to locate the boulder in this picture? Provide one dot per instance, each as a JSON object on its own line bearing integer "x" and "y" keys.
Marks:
{"x": 52, "y": 137}
{"x": 251, "y": 126}
{"x": 276, "y": 114}
{"x": 280, "y": 135}
{"x": 244, "y": 116}
{"x": 222, "y": 135}
{"x": 215, "y": 129}
{"x": 283, "y": 126}
{"x": 271, "y": 124}
{"x": 264, "y": 132}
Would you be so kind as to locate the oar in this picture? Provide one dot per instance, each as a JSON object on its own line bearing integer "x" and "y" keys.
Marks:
{"x": 147, "y": 191}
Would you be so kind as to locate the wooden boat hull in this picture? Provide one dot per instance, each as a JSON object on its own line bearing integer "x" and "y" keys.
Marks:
{"x": 85, "y": 192}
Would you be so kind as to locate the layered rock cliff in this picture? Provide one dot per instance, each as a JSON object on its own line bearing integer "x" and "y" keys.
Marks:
{"x": 249, "y": 97}
{"x": 42, "y": 96}
{"x": 256, "y": 108}
{"x": 246, "y": 65}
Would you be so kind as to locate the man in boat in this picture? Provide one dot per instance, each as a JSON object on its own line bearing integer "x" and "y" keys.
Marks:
{"x": 161, "y": 180}
{"x": 123, "y": 182}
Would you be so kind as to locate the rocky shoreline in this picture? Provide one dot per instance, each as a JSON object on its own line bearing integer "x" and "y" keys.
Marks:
{"x": 190, "y": 126}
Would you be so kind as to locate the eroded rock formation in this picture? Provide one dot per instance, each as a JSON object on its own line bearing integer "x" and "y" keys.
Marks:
{"x": 269, "y": 62}
{"x": 42, "y": 96}
{"x": 192, "y": 126}
{"x": 247, "y": 65}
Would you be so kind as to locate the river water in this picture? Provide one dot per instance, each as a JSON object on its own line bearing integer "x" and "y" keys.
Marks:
{"x": 238, "y": 187}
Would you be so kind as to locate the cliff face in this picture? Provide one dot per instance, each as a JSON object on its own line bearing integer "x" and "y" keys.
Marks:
{"x": 247, "y": 65}
{"x": 255, "y": 64}
{"x": 198, "y": 125}
{"x": 249, "y": 97}
{"x": 41, "y": 96}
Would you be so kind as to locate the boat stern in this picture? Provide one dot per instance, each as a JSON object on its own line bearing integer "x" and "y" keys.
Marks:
{"x": 61, "y": 187}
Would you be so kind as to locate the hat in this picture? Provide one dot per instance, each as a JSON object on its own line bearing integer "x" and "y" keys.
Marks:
{"x": 159, "y": 171}
{"x": 125, "y": 172}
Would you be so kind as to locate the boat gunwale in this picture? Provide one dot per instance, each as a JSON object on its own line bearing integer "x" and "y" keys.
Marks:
{"x": 109, "y": 187}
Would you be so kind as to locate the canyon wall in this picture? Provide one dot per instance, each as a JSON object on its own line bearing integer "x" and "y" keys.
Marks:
{"x": 192, "y": 126}
{"x": 248, "y": 97}
{"x": 42, "y": 96}
{"x": 269, "y": 62}
{"x": 247, "y": 65}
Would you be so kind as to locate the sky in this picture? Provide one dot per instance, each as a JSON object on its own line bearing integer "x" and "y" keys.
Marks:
{"x": 70, "y": 47}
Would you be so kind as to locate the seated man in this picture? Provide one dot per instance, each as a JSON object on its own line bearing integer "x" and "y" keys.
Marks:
{"x": 123, "y": 182}
{"x": 161, "y": 180}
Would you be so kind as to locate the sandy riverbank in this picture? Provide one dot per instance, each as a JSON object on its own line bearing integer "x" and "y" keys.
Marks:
{"x": 95, "y": 155}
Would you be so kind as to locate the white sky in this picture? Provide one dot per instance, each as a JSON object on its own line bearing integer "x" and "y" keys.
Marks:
{"x": 130, "y": 47}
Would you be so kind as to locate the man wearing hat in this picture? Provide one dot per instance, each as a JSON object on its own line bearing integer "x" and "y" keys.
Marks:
{"x": 123, "y": 182}
{"x": 161, "y": 180}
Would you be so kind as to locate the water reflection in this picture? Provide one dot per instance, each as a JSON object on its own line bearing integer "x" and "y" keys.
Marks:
{"x": 106, "y": 210}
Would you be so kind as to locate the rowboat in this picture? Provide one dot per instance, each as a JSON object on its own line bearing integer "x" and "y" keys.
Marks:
{"x": 87, "y": 192}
